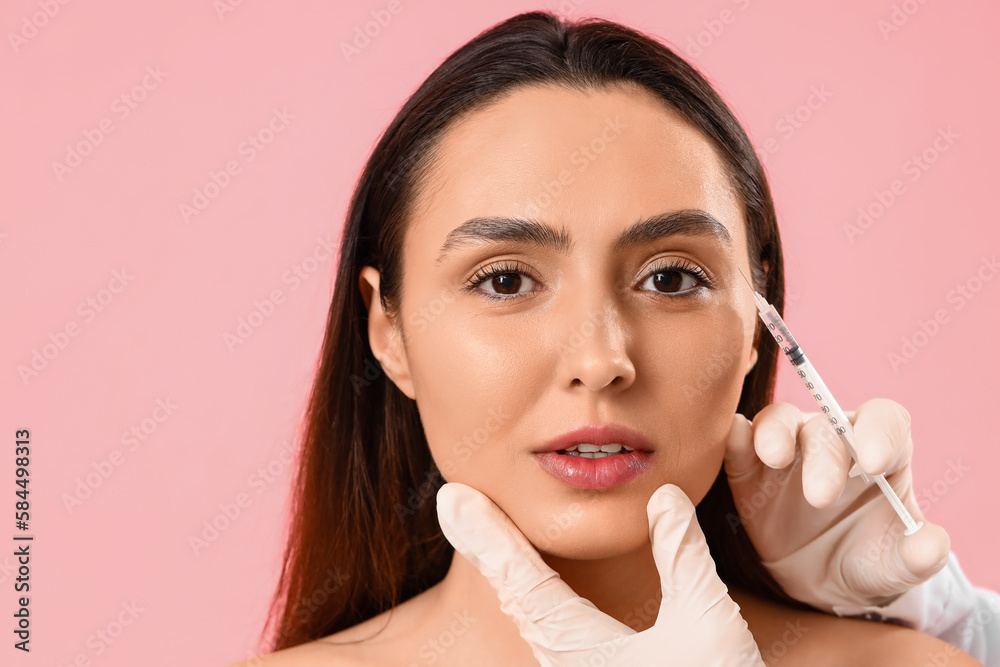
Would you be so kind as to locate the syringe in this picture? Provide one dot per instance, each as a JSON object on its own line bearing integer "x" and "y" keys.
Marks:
{"x": 841, "y": 424}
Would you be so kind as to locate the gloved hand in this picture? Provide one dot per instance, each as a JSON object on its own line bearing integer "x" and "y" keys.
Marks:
{"x": 829, "y": 539}
{"x": 697, "y": 623}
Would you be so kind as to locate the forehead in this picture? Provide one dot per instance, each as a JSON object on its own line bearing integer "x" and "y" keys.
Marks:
{"x": 591, "y": 161}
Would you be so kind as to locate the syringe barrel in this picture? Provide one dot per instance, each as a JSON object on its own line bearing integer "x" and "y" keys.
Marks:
{"x": 776, "y": 326}
{"x": 830, "y": 408}
{"x": 827, "y": 403}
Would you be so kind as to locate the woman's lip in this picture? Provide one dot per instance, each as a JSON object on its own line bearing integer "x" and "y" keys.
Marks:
{"x": 601, "y": 473}
{"x": 599, "y": 435}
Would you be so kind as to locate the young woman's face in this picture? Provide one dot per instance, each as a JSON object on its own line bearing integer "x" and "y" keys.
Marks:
{"x": 652, "y": 330}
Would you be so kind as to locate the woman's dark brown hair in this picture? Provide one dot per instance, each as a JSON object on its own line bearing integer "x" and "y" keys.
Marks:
{"x": 364, "y": 535}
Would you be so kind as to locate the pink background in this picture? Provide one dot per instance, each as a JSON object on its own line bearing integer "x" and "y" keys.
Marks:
{"x": 160, "y": 336}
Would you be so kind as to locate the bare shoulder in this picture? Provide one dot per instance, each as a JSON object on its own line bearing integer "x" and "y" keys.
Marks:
{"x": 368, "y": 644}
{"x": 311, "y": 654}
{"x": 791, "y": 637}
{"x": 342, "y": 649}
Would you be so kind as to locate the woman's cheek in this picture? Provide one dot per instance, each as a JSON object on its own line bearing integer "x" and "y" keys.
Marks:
{"x": 454, "y": 400}
{"x": 722, "y": 394}
{"x": 710, "y": 380}
{"x": 448, "y": 460}
{"x": 468, "y": 451}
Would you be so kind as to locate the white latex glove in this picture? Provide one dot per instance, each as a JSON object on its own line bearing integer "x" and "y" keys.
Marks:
{"x": 829, "y": 539}
{"x": 697, "y": 623}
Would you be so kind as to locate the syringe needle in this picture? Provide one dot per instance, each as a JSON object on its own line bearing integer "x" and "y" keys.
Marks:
{"x": 745, "y": 278}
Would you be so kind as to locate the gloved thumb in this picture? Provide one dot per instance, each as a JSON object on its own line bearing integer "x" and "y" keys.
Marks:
{"x": 905, "y": 562}
{"x": 542, "y": 605}
{"x": 696, "y": 602}
{"x": 924, "y": 553}
{"x": 687, "y": 570}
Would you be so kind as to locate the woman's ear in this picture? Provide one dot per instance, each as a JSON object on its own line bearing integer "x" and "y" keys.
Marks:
{"x": 753, "y": 355}
{"x": 756, "y": 339}
{"x": 384, "y": 336}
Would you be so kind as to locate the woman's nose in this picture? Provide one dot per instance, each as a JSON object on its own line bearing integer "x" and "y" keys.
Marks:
{"x": 594, "y": 347}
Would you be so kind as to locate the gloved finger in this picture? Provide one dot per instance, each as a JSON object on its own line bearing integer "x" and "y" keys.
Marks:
{"x": 882, "y": 436}
{"x": 687, "y": 571}
{"x": 855, "y": 468}
{"x": 907, "y": 561}
{"x": 775, "y": 432}
{"x": 825, "y": 462}
{"x": 924, "y": 553}
{"x": 740, "y": 459}
{"x": 542, "y": 605}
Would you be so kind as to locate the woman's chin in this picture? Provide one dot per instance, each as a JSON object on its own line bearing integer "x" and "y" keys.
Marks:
{"x": 590, "y": 544}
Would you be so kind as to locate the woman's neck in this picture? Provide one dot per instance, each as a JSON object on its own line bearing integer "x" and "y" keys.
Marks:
{"x": 626, "y": 587}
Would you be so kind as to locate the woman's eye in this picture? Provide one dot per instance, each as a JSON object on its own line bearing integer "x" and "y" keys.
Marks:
{"x": 502, "y": 282}
{"x": 507, "y": 284}
{"x": 675, "y": 279}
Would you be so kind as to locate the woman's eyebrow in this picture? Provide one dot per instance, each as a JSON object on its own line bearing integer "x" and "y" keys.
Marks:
{"x": 479, "y": 231}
